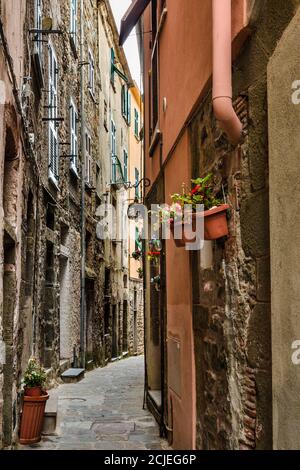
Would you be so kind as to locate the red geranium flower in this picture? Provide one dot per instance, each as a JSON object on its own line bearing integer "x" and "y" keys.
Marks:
{"x": 196, "y": 189}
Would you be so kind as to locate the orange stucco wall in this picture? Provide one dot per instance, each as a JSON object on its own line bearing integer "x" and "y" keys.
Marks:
{"x": 185, "y": 69}
{"x": 182, "y": 410}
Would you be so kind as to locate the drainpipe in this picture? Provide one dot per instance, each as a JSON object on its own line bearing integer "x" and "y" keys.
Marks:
{"x": 222, "y": 71}
{"x": 82, "y": 212}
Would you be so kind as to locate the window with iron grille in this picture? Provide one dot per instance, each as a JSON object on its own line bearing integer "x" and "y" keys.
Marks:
{"x": 52, "y": 114}
{"x": 125, "y": 175}
{"x": 91, "y": 73}
{"x": 73, "y": 21}
{"x": 154, "y": 68}
{"x": 126, "y": 104}
{"x": 113, "y": 153}
{"x": 38, "y": 13}
{"x": 88, "y": 158}
{"x": 112, "y": 66}
{"x": 74, "y": 136}
{"x": 136, "y": 123}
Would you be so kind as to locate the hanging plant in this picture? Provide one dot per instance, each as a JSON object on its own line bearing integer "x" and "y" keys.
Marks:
{"x": 154, "y": 256}
{"x": 140, "y": 273}
{"x": 214, "y": 214}
{"x": 137, "y": 255}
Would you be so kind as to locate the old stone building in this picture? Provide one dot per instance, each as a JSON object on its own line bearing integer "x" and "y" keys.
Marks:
{"x": 216, "y": 377}
{"x": 64, "y": 149}
{"x": 15, "y": 158}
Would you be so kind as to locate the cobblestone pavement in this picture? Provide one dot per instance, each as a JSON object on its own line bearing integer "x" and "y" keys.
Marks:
{"x": 104, "y": 412}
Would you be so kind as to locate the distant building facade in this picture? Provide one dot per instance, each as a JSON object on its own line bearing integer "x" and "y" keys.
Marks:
{"x": 135, "y": 175}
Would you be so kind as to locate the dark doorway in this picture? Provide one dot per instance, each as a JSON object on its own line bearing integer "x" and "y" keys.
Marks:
{"x": 135, "y": 332}
{"x": 114, "y": 332}
{"x": 49, "y": 300}
{"x": 125, "y": 326}
{"x": 90, "y": 309}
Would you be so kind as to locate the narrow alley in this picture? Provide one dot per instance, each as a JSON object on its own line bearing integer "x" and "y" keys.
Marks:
{"x": 104, "y": 412}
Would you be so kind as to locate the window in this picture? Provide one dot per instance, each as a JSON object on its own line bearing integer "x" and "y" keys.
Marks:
{"x": 74, "y": 136}
{"x": 73, "y": 22}
{"x": 113, "y": 153}
{"x": 126, "y": 104}
{"x": 91, "y": 73}
{"x": 38, "y": 25}
{"x": 137, "y": 180}
{"x": 88, "y": 158}
{"x": 124, "y": 98}
{"x": 112, "y": 66}
{"x": 154, "y": 69}
{"x": 105, "y": 115}
{"x": 52, "y": 114}
{"x": 136, "y": 123}
{"x": 125, "y": 166}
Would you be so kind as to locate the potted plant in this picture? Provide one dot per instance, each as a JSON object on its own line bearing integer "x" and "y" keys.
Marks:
{"x": 153, "y": 256}
{"x": 34, "y": 402}
{"x": 137, "y": 254}
{"x": 140, "y": 273}
{"x": 214, "y": 214}
{"x": 34, "y": 379}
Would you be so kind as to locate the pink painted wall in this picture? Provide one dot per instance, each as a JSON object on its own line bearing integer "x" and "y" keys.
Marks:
{"x": 179, "y": 315}
{"x": 185, "y": 68}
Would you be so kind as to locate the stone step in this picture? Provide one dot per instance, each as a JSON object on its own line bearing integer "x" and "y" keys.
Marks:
{"x": 50, "y": 416}
{"x": 72, "y": 375}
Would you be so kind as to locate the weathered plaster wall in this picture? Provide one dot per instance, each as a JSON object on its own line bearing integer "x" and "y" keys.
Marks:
{"x": 283, "y": 70}
{"x": 12, "y": 162}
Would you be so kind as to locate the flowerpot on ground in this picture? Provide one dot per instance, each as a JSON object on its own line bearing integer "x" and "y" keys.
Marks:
{"x": 32, "y": 418}
{"x": 215, "y": 226}
{"x": 33, "y": 391}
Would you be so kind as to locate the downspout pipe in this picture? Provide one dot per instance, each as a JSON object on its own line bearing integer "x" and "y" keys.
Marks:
{"x": 222, "y": 71}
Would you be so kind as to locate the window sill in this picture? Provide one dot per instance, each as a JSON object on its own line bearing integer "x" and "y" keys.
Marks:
{"x": 154, "y": 141}
{"x": 74, "y": 171}
{"x": 126, "y": 120}
{"x": 92, "y": 95}
{"x": 38, "y": 70}
{"x": 53, "y": 180}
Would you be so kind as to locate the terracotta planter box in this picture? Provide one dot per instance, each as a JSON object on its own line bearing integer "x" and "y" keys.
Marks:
{"x": 215, "y": 226}
{"x": 32, "y": 419}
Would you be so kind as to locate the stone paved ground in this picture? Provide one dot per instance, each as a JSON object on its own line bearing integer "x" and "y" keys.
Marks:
{"x": 104, "y": 412}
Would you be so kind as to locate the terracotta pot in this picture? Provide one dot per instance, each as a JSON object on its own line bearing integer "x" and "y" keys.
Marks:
{"x": 215, "y": 223}
{"x": 33, "y": 391}
{"x": 32, "y": 419}
{"x": 215, "y": 226}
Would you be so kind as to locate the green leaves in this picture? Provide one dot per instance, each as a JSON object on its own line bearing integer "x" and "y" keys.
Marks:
{"x": 203, "y": 192}
{"x": 35, "y": 374}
